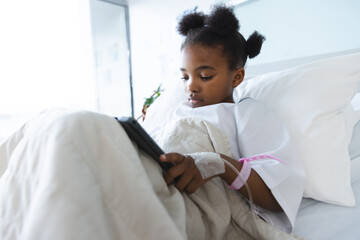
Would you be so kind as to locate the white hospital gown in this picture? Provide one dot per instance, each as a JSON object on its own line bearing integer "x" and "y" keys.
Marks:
{"x": 253, "y": 129}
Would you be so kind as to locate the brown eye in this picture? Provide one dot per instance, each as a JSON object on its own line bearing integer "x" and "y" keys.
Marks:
{"x": 206, "y": 78}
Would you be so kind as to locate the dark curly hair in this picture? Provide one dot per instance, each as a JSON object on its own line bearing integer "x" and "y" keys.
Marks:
{"x": 220, "y": 28}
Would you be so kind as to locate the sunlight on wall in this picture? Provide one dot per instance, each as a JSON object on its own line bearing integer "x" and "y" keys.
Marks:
{"x": 46, "y": 56}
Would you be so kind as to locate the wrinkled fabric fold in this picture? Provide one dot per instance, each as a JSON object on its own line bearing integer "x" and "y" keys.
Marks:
{"x": 76, "y": 175}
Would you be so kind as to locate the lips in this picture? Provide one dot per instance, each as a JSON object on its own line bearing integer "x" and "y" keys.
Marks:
{"x": 195, "y": 101}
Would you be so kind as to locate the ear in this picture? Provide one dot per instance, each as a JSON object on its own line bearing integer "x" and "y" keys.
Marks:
{"x": 238, "y": 77}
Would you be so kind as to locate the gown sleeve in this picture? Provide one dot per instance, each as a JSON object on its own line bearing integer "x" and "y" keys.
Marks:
{"x": 260, "y": 131}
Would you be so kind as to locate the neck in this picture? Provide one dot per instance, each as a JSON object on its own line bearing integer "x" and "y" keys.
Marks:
{"x": 229, "y": 99}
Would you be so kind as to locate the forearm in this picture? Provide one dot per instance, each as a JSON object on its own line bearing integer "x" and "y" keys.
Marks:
{"x": 261, "y": 194}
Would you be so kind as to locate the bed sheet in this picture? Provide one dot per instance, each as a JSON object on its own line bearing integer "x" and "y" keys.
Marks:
{"x": 78, "y": 174}
{"x": 318, "y": 220}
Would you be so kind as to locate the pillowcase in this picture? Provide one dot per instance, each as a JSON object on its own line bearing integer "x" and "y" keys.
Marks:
{"x": 314, "y": 100}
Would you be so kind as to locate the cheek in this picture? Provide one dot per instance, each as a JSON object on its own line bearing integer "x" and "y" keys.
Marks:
{"x": 184, "y": 86}
{"x": 223, "y": 85}
{"x": 229, "y": 83}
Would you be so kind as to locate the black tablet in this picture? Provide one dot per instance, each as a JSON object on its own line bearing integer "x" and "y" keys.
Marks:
{"x": 143, "y": 140}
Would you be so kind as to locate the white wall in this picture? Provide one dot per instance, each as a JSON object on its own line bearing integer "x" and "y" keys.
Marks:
{"x": 301, "y": 28}
{"x": 46, "y": 53}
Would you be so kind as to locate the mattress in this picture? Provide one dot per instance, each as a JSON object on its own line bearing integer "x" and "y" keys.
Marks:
{"x": 318, "y": 220}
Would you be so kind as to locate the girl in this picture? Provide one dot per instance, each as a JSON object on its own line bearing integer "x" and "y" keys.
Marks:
{"x": 213, "y": 57}
{"x": 79, "y": 174}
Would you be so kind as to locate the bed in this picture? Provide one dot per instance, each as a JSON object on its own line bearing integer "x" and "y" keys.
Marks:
{"x": 318, "y": 219}
{"x": 77, "y": 173}
{"x": 316, "y": 83}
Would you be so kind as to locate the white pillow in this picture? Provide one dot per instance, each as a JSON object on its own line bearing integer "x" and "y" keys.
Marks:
{"x": 315, "y": 102}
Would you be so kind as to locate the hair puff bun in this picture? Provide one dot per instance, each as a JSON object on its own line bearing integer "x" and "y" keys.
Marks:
{"x": 191, "y": 21}
{"x": 254, "y": 43}
{"x": 222, "y": 20}
{"x": 220, "y": 28}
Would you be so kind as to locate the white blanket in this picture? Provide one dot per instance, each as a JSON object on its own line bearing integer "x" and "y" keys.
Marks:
{"x": 76, "y": 175}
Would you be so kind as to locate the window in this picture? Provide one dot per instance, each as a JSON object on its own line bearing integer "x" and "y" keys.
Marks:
{"x": 112, "y": 57}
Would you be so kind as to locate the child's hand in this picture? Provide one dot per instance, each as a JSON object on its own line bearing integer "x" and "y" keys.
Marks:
{"x": 190, "y": 178}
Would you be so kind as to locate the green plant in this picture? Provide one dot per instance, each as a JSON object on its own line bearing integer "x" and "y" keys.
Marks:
{"x": 153, "y": 97}
{"x": 150, "y": 100}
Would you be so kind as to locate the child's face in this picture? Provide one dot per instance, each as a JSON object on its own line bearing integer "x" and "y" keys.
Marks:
{"x": 207, "y": 77}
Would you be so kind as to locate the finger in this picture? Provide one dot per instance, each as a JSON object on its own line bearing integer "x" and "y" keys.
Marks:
{"x": 177, "y": 170}
{"x": 193, "y": 186}
{"x": 184, "y": 180}
{"x": 172, "y": 157}
{"x": 174, "y": 172}
{"x": 195, "y": 183}
{"x": 169, "y": 177}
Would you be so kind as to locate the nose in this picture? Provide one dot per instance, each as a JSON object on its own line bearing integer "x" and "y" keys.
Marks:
{"x": 192, "y": 85}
